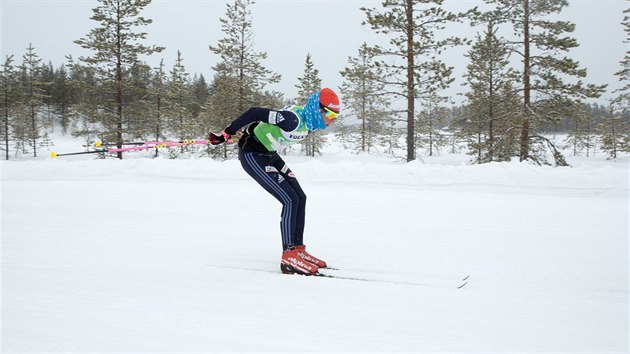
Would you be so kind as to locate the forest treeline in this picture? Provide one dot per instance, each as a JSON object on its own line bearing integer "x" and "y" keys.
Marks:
{"x": 520, "y": 86}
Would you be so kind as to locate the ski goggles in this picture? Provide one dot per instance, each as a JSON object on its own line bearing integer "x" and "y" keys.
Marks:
{"x": 330, "y": 114}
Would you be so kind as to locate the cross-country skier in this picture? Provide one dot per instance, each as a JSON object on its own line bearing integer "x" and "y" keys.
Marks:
{"x": 265, "y": 131}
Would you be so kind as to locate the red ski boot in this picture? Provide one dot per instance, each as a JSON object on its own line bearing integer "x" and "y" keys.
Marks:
{"x": 309, "y": 258}
{"x": 292, "y": 263}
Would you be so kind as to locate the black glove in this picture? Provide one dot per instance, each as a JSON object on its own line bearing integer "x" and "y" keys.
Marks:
{"x": 218, "y": 139}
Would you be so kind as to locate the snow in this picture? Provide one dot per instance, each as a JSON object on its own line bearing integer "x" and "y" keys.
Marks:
{"x": 179, "y": 256}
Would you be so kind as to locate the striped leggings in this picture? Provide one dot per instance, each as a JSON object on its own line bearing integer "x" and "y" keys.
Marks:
{"x": 272, "y": 173}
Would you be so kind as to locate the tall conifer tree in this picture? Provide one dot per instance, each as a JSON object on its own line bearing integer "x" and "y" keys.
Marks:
{"x": 9, "y": 99}
{"x": 491, "y": 129}
{"x": 238, "y": 58}
{"x": 416, "y": 69}
{"x": 542, "y": 45}
{"x": 116, "y": 46}
{"x": 34, "y": 95}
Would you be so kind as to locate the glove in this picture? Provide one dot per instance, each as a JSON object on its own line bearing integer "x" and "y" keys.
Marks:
{"x": 218, "y": 139}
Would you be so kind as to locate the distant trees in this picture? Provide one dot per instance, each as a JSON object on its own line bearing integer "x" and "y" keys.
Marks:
{"x": 362, "y": 92}
{"x": 521, "y": 86}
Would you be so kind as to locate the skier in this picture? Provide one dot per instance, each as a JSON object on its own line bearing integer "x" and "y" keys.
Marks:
{"x": 264, "y": 132}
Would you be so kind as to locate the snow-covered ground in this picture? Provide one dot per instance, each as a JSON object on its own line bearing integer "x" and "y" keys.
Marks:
{"x": 179, "y": 256}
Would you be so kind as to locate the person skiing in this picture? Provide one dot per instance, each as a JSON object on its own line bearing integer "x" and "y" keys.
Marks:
{"x": 264, "y": 132}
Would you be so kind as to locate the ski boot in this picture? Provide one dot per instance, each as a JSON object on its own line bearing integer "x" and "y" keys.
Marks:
{"x": 309, "y": 258}
{"x": 292, "y": 263}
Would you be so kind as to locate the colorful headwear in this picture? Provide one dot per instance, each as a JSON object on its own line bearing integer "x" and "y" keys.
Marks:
{"x": 327, "y": 98}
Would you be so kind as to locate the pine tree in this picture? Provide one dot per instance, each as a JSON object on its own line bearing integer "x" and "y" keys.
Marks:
{"x": 86, "y": 113}
{"x": 623, "y": 98}
{"x": 615, "y": 132}
{"x": 62, "y": 97}
{"x": 138, "y": 113}
{"x": 47, "y": 75}
{"x": 362, "y": 90}
{"x": 542, "y": 45}
{"x": 220, "y": 109}
{"x": 157, "y": 97}
{"x": 416, "y": 71}
{"x": 179, "y": 101}
{"x": 9, "y": 99}
{"x": 431, "y": 119}
{"x": 581, "y": 130}
{"x": 238, "y": 59}
{"x": 34, "y": 95}
{"x": 309, "y": 84}
{"x": 491, "y": 128}
{"x": 116, "y": 46}
{"x": 200, "y": 94}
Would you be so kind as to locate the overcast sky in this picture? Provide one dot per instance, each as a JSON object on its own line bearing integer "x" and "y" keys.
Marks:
{"x": 287, "y": 30}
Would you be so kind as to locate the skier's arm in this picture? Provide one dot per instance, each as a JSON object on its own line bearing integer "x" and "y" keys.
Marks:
{"x": 286, "y": 120}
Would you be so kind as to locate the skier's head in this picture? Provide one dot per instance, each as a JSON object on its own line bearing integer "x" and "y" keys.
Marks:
{"x": 329, "y": 103}
{"x": 321, "y": 109}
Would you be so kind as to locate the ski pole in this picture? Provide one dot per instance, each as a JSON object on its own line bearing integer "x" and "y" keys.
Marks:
{"x": 134, "y": 148}
{"x": 137, "y": 147}
{"x": 54, "y": 154}
{"x": 165, "y": 143}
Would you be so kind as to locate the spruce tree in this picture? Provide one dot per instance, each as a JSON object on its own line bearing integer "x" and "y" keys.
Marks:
{"x": 413, "y": 65}
{"x": 116, "y": 46}
{"x": 200, "y": 94}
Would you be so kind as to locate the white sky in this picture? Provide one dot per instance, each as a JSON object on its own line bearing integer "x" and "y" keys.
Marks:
{"x": 287, "y": 30}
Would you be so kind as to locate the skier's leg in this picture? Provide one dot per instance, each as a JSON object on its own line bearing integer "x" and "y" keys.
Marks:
{"x": 301, "y": 205}
{"x": 301, "y": 215}
{"x": 261, "y": 168}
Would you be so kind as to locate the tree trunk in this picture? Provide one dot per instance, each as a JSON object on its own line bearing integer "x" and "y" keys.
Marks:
{"x": 119, "y": 78}
{"x": 411, "y": 146}
{"x": 526, "y": 85}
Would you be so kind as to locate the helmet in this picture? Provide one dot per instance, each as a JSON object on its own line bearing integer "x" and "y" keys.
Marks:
{"x": 328, "y": 99}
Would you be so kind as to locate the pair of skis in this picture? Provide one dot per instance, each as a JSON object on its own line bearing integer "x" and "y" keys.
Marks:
{"x": 137, "y": 146}
{"x": 335, "y": 273}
